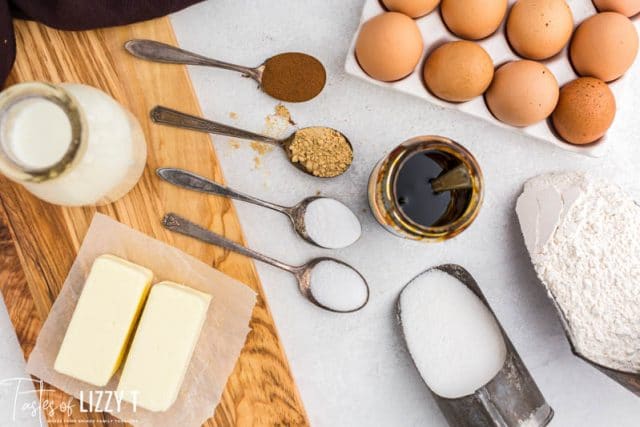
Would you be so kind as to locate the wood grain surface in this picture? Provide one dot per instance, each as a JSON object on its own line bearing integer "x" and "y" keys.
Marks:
{"x": 261, "y": 390}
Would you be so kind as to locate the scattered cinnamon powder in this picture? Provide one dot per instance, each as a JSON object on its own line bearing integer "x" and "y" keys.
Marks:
{"x": 293, "y": 77}
{"x": 324, "y": 152}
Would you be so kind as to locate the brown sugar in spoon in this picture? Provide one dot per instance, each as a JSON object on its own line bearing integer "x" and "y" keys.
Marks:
{"x": 319, "y": 151}
{"x": 290, "y": 76}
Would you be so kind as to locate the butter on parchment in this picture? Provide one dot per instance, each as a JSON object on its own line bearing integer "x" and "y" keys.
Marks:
{"x": 103, "y": 320}
{"x": 162, "y": 347}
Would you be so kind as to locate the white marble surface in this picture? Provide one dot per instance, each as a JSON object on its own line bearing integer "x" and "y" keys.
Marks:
{"x": 352, "y": 370}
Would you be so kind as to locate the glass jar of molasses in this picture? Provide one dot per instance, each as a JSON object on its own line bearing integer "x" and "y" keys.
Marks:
{"x": 428, "y": 188}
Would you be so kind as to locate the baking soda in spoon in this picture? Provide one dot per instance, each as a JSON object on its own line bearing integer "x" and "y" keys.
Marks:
{"x": 328, "y": 283}
{"x": 337, "y": 286}
{"x": 453, "y": 338}
{"x": 331, "y": 224}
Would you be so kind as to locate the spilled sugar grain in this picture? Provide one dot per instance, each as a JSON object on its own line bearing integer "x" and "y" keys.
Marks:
{"x": 282, "y": 111}
{"x": 277, "y": 125}
{"x": 261, "y": 148}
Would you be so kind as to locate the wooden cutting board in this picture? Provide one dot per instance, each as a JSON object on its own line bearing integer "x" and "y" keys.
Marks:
{"x": 261, "y": 390}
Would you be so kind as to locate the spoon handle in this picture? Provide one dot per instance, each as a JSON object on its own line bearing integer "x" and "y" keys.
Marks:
{"x": 181, "y": 225}
{"x": 152, "y": 50}
{"x": 167, "y": 116}
{"x": 191, "y": 181}
{"x": 456, "y": 179}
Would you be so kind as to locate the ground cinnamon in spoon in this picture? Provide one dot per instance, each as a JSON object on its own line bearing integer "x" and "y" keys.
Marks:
{"x": 293, "y": 77}
{"x": 323, "y": 152}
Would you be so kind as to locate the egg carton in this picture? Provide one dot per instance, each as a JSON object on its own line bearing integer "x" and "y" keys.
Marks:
{"x": 434, "y": 33}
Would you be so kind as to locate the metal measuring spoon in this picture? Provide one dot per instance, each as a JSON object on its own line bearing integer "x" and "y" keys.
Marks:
{"x": 509, "y": 398}
{"x": 191, "y": 181}
{"x": 296, "y": 76}
{"x": 167, "y": 116}
{"x": 457, "y": 178}
{"x": 302, "y": 273}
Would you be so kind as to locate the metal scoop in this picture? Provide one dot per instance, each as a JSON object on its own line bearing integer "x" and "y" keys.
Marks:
{"x": 167, "y": 116}
{"x": 630, "y": 381}
{"x": 510, "y": 399}
{"x": 191, "y": 181}
{"x": 302, "y": 273}
{"x": 160, "y": 52}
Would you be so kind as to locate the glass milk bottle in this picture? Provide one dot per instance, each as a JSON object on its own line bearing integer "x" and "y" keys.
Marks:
{"x": 69, "y": 144}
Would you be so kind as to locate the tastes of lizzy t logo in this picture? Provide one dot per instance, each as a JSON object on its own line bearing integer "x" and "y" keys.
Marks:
{"x": 27, "y": 401}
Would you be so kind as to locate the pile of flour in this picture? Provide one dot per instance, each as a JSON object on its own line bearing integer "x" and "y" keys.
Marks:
{"x": 583, "y": 235}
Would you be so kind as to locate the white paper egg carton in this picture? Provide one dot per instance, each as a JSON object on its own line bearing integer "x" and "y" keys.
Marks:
{"x": 434, "y": 33}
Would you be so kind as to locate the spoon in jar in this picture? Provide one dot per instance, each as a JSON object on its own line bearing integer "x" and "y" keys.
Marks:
{"x": 326, "y": 215}
{"x": 457, "y": 178}
{"x": 318, "y": 151}
{"x": 290, "y": 77}
{"x": 328, "y": 283}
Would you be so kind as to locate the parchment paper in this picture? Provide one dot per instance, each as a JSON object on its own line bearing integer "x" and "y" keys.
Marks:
{"x": 218, "y": 348}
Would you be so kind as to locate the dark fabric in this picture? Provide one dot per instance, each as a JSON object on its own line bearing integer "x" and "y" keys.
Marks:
{"x": 75, "y": 15}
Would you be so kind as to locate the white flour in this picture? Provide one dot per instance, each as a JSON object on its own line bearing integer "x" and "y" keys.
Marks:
{"x": 583, "y": 235}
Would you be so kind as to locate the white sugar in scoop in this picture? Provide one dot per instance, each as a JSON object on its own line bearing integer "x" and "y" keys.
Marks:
{"x": 337, "y": 286}
{"x": 331, "y": 224}
{"x": 453, "y": 338}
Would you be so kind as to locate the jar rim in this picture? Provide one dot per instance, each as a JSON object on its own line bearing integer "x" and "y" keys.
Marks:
{"x": 20, "y": 92}
{"x": 437, "y": 143}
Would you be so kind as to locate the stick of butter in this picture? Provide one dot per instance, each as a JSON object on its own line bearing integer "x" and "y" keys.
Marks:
{"x": 162, "y": 347}
{"x": 103, "y": 320}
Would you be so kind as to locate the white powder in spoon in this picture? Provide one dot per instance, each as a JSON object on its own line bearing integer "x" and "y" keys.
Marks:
{"x": 331, "y": 224}
{"x": 338, "y": 286}
{"x": 452, "y": 336}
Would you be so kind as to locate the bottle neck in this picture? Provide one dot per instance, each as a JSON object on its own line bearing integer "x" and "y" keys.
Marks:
{"x": 42, "y": 132}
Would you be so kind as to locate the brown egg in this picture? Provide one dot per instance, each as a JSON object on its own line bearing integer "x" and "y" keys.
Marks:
{"x": 522, "y": 93}
{"x": 585, "y": 110}
{"x": 604, "y": 46}
{"x": 458, "y": 71}
{"x": 538, "y": 29}
{"x": 626, "y": 7}
{"x": 412, "y": 8}
{"x": 473, "y": 19}
{"x": 389, "y": 46}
